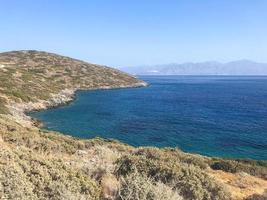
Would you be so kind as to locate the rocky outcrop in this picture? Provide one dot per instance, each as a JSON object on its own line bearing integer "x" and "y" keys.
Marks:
{"x": 18, "y": 111}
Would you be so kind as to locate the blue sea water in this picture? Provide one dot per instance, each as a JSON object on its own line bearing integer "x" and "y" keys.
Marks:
{"x": 210, "y": 115}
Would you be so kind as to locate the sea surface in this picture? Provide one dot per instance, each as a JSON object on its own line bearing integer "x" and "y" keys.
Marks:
{"x": 210, "y": 115}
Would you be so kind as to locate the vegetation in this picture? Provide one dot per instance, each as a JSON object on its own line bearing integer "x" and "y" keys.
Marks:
{"x": 33, "y": 75}
{"x": 188, "y": 179}
{"x": 252, "y": 167}
{"x": 258, "y": 196}
{"x": 3, "y": 108}
{"x": 40, "y": 164}
{"x": 25, "y": 175}
{"x": 138, "y": 186}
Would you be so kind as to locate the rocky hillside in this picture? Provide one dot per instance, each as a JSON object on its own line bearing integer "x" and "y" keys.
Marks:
{"x": 35, "y": 80}
{"x": 40, "y": 164}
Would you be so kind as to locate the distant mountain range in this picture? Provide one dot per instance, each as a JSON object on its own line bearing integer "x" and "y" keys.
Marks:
{"x": 240, "y": 67}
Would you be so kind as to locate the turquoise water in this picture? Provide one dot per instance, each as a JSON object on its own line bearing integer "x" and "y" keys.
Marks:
{"x": 216, "y": 116}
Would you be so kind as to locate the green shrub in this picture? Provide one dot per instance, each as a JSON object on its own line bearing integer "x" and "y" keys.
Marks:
{"x": 225, "y": 166}
{"x": 262, "y": 163}
{"x": 3, "y": 108}
{"x": 172, "y": 155}
{"x": 18, "y": 94}
{"x": 254, "y": 168}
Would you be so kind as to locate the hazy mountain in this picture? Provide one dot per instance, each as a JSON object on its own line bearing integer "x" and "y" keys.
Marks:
{"x": 240, "y": 67}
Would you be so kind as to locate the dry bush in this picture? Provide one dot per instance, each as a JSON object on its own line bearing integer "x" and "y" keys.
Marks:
{"x": 110, "y": 186}
{"x": 190, "y": 180}
{"x": 26, "y": 175}
{"x": 172, "y": 155}
{"x": 138, "y": 187}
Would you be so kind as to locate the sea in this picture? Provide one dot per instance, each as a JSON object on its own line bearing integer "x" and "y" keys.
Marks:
{"x": 222, "y": 116}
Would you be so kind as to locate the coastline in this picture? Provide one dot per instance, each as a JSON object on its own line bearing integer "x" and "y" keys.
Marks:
{"x": 19, "y": 111}
{"x": 37, "y": 163}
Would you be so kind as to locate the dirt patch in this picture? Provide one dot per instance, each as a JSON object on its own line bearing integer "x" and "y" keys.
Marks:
{"x": 240, "y": 185}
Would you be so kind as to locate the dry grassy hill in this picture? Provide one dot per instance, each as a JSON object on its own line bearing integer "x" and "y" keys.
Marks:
{"x": 40, "y": 164}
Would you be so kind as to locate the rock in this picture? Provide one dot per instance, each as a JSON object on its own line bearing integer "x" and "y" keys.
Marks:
{"x": 37, "y": 123}
{"x": 11, "y": 129}
{"x": 110, "y": 187}
{"x": 81, "y": 152}
{"x": 243, "y": 174}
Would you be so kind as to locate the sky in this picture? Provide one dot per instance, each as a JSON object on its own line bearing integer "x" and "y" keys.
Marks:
{"x": 139, "y": 32}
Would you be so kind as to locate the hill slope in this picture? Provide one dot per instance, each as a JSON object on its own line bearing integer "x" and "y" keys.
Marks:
{"x": 41, "y": 164}
{"x": 35, "y": 80}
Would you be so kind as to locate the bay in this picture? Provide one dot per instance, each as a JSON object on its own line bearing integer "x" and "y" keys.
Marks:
{"x": 223, "y": 116}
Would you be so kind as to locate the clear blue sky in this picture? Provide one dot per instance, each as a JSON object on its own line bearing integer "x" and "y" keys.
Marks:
{"x": 128, "y": 33}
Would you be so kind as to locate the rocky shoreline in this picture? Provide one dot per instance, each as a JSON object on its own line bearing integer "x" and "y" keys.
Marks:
{"x": 19, "y": 111}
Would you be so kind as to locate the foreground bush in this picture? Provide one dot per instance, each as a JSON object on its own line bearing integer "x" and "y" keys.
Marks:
{"x": 136, "y": 186}
{"x": 189, "y": 180}
{"x": 26, "y": 175}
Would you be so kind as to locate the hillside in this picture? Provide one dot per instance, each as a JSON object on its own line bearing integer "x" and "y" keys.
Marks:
{"x": 235, "y": 68}
{"x": 35, "y": 80}
{"x": 41, "y": 164}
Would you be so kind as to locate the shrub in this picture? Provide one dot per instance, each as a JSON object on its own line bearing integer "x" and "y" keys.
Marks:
{"x": 20, "y": 95}
{"x": 225, "y": 166}
{"x": 190, "y": 180}
{"x": 136, "y": 186}
{"x": 3, "y": 108}
{"x": 25, "y": 175}
{"x": 254, "y": 168}
{"x": 172, "y": 155}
